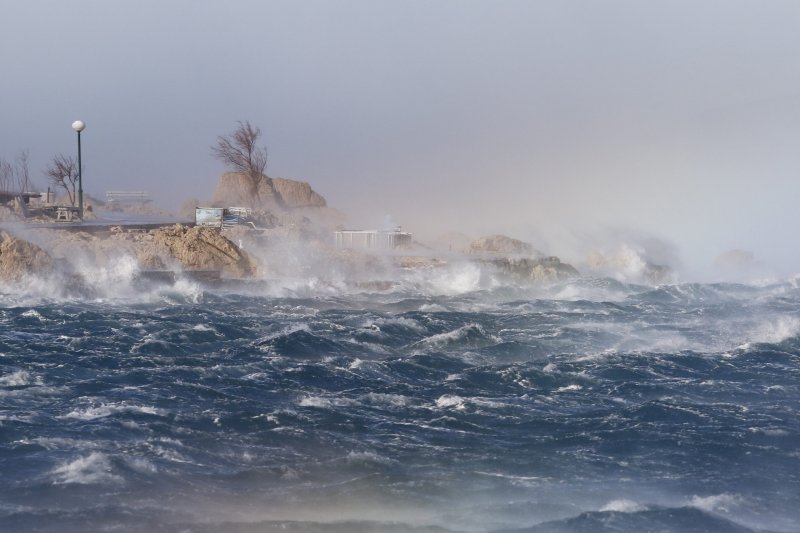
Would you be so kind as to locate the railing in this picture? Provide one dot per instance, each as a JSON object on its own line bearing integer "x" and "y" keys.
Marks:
{"x": 127, "y": 196}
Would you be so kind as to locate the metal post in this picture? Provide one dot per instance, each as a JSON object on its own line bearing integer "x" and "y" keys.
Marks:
{"x": 80, "y": 179}
{"x": 78, "y": 126}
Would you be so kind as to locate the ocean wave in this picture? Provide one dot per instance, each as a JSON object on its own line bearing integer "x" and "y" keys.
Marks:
{"x": 95, "y": 468}
{"x": 468, "y": 336}
{"x": 19, "y": 378}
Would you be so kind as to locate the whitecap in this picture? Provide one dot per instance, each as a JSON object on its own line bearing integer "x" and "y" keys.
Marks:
{"x": 367, "y": 458}
{"x": 317, "y": 401}
{"x": 16, "y": 379}
{"x": 450, "y": 401}
{"x": 716, "y": 502}
{"x": 391, "y": 400}
{"x": 142, "y": 465}
{"x": 623, "y": 506}
{"x": 472, "y": 334}
{"x": 33, "y": 313}
{"x": 105, "y": 410}
{"x": 775, "y": 330}
{"x": 92, "y": 469}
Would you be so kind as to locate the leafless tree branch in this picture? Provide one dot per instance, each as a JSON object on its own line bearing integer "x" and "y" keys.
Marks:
{"x": 63, "y": 172}
{"x": 240, "y": 152}
{"x": 6, "y": 175}
{"x": 22, "y": 174}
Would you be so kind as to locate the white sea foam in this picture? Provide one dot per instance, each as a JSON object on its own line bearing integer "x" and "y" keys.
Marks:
{"x": 192, "y": 291}
{"x": 33, "y": 391}
{"x": 569, "y": 388}
{"x": 770, "y": 432}
{"x": 92, "y": 469}
{"x": 170, "y": 455}
{"x": 623, "y": 506}
{"x": 453, "y": 280}
{"x": 318, "y": 401}
{"x": 104, "y": 410}
{"x": 516, "y": 480}
{"x": 715, "y": 503}
{"x": 405, "y": 322}
{"x": 367, "y": 457}
{"x": 450, "y": 401}
{"x": 33, "y": 313}
{"x": 391, "y": 400}
{"x": 18, "y": 379}
{"x": 775, "y": 330}
{"x": 470, "y": 333}
{"x": 432, "y": 308}
{"x": 118, "y": 272}
{"x": 141, "y": 464}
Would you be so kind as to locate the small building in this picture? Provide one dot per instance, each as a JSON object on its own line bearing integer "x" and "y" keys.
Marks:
{"x": 6, "y": 196}
{"x": 222, "y": 217}
{"x": 372, "y": 239}
{"x": 210, "y": 217}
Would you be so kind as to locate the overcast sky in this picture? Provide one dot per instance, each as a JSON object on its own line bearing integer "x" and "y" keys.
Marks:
{"x": 679, "y": 119}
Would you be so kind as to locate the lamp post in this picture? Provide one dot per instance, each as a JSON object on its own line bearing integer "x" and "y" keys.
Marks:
{"x": 79, "y": 126}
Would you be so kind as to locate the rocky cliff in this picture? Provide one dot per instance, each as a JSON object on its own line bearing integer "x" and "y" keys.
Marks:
{"x": 519, "y": 260}
{"x": 526, "y": 269}
{"x": 175, "y": 247}
{"x": 20, "y": 258}
{"x": 503, "y": 245}
{"x": 235, "y": 189}
{"x": 199, "y": 248}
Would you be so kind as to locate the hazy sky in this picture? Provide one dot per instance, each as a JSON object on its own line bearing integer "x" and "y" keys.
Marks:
{"x": 538, "y": 118}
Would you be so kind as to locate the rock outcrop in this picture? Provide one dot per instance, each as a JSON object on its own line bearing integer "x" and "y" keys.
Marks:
{"x": 297, "y": 194}
{"x": 526, "y": 269}
{"x": 174, "y": 248}
{"x": 236, "y": 189}
{"x": 19, "y": 258}
{"x": 741, "y": 265}
{"x": 629, "y": 265}
{"x": 200, "y": 248}
{"x": 503, "y": 245}
{"x": 735, "y": 259}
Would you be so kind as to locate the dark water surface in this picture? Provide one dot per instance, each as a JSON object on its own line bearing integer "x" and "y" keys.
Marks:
{"x": 591, "y": 406}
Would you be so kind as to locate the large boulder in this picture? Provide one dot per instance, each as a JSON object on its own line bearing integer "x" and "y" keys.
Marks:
{"x": 735, "y": 259}
{"x": 236, "y": 189}
{"x": 200, "y": 248}
{"x": 297, "y": 193}
{"x": 543, "y": 269}
{"x": 19, "y": 258}
{"x": 503, "y": 245}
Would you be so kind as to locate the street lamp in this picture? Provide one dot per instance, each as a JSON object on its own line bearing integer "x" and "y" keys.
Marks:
{"x": 79, "y": 126}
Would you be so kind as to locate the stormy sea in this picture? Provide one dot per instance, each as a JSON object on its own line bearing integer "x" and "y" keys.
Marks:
{"x": 452, "y": 404}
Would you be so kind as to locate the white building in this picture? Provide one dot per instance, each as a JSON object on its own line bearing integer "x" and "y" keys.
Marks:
{"x": 372, "y": 239}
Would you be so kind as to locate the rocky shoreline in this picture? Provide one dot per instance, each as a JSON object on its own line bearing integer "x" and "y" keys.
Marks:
{"x": 289, "y": 235}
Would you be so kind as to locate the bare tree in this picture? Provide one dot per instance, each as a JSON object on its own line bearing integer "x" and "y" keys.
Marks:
{"x": 240, "y": 152}
{"x": 22, "y": 171}
{"x": 15, "y": 177}
{"x": 63, "y": 172}
{"x": 6, "y": 175}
